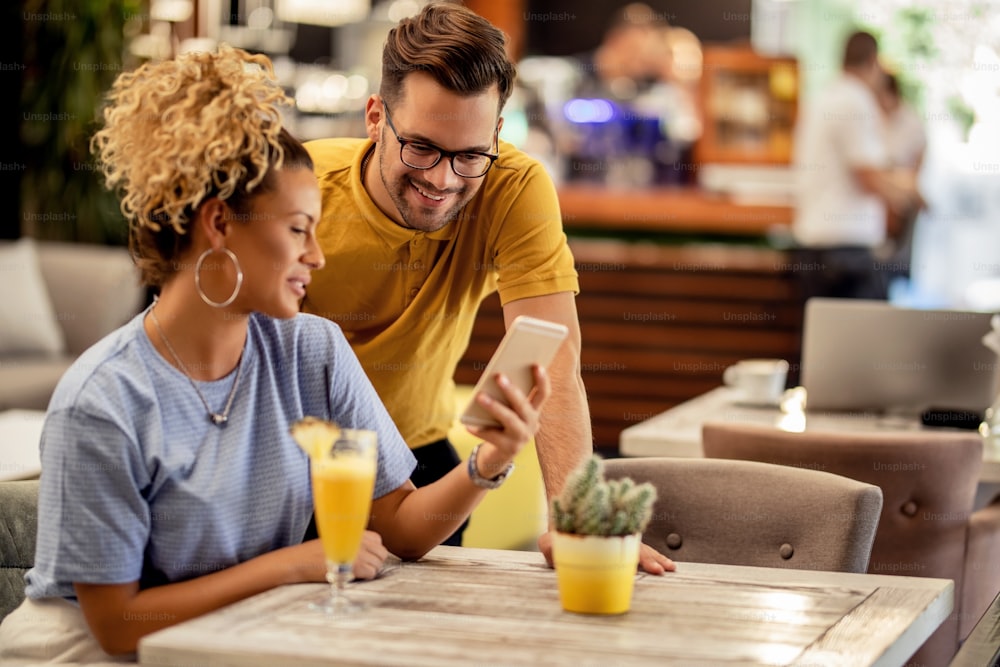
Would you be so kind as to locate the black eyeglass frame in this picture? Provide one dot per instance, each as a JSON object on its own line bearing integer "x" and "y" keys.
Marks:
{"x": 492, "y": 157}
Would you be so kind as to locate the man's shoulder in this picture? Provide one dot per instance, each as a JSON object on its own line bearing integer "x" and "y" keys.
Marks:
{"x": 333, "y": 153}
{"x": 850, "y": 91}
{"x": 517, "y": 174}
{"x": 513, "y": 160}
{"x": 844, "y": 102}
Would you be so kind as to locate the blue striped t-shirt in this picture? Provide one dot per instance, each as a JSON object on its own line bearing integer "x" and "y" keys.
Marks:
{"x": 138, "y": 484}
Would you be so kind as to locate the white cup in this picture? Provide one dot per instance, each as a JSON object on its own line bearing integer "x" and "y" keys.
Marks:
{"x": 757, "y": 381}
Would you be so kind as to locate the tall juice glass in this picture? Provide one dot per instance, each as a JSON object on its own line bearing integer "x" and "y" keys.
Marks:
{"x": 343, "y": 478}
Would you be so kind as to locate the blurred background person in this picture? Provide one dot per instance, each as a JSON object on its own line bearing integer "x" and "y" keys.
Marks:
{"x": 906, "y": 143}
{"x": 845, "y": 184}
{"x": 906, "y": 136}
{"x": 634, "y": 119}
{"x": 631, "y": 57}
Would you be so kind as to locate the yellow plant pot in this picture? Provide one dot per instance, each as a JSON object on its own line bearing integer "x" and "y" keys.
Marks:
{"x": 595, "y": 574}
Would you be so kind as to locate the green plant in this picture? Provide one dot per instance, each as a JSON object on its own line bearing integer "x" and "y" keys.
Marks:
{"x": 591, "y": 505}
{"x": 73, "y": 51}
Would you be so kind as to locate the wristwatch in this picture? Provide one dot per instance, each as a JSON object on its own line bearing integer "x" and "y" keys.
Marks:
{"x": 486, "y": 482}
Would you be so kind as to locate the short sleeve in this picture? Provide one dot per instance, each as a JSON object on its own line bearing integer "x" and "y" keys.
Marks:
{"x": 531, "y": 253}
{"x": 93, "y": 521}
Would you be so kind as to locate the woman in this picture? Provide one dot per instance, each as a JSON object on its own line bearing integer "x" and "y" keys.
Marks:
{"x": 171, "y": 485}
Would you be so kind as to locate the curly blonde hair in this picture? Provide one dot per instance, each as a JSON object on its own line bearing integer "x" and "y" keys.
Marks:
{"x": 181, "y": 131}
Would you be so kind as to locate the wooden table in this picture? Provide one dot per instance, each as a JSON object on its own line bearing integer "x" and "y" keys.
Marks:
{"x": 462, "y": 606}
{"x": 677, "y": 432}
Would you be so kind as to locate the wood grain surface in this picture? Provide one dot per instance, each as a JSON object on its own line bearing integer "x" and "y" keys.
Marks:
{"x": 490, "y": 607}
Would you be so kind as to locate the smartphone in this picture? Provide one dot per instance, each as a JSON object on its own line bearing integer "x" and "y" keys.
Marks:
{"x": 528, "y": 341}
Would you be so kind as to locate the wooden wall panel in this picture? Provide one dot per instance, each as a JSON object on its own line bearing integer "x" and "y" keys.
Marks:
{"x": 661, "y": 323}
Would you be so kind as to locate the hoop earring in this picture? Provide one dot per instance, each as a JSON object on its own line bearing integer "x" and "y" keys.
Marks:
{"x": 197, "y": 277}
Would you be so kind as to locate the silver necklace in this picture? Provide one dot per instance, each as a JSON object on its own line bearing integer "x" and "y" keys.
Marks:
{"x": 217, "y": 418}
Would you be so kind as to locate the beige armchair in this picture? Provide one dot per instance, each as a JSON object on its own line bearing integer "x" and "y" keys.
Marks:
{"x": 748, "y": 513}
{"x": 92, "y": 288}
{"x": 928, "y": 527}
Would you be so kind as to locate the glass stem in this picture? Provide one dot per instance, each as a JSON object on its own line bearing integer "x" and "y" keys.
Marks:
{"x": 343, "y": 576}
{"x": 340, "y": 578}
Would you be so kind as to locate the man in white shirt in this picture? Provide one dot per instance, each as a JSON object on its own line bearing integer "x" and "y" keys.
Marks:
{"x": 844, "y": 182}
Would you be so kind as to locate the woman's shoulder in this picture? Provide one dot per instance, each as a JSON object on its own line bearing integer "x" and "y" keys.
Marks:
{"x": 303, "y": 329}
{"x": 105, "y": 368}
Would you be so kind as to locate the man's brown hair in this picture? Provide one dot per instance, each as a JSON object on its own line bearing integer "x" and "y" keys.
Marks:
{"x": 461, "y": 50}
{"x": 860, "y": 50}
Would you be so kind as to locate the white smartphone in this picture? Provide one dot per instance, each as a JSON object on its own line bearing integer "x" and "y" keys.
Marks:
{"x": 528, "y": 341}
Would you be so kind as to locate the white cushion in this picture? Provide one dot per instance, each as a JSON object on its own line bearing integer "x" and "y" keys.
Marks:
{"x": 27, "y": 319}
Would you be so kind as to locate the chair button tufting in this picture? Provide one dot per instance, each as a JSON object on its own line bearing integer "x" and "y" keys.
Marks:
{"x": 786, "y": 551}
{"x": 674, "y": 541}
{"x": 910, "y": 508}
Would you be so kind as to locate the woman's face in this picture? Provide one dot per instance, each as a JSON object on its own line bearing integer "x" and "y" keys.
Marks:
{"x": 276, "y": 244}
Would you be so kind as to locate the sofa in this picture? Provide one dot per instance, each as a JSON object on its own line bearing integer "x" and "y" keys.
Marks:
{"x": 18, "y": 527}
{"x": 56, "y": 300}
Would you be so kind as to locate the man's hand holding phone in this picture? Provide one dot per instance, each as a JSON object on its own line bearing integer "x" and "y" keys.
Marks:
{"x": 516, "y": 418}
{"x": 528, "y": 342}
{"x": 507, "y": 399}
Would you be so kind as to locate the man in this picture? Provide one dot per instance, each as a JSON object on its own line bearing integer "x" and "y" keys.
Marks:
{"x": 428, "y": 216}
{"x": 845, "y": 183}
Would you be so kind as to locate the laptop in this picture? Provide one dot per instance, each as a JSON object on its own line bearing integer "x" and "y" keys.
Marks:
{"x": 873, "y": 356}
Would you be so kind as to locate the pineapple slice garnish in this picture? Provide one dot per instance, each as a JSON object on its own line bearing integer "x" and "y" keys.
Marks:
{"x": 314, "y": 435}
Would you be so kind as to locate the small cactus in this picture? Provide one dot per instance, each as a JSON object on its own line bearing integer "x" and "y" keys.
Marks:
{"x": 591, "y": 505}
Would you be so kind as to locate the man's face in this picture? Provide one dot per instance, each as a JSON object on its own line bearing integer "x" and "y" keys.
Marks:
{"x": 428, "y": 114}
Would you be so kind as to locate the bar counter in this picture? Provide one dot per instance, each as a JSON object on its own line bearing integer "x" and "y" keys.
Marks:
{"x": 685, "y": 210}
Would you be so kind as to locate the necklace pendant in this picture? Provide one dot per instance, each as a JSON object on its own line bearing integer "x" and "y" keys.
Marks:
{"x": 219, "y": 419}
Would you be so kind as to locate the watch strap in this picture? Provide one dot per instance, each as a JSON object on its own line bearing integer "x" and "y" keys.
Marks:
{"x": 486, "y": 482}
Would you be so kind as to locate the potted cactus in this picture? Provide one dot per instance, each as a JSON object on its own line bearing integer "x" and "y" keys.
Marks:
{"x": 595, "y": 546}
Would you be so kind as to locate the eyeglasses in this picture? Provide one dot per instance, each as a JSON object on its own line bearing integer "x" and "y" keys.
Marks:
{"x": 421, "y": 155}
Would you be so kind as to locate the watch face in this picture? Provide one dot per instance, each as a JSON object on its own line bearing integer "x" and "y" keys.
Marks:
{"x": 499, "y": 479}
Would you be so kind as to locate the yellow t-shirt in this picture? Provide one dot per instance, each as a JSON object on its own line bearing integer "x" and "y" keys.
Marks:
{"x": 407, "y": 299}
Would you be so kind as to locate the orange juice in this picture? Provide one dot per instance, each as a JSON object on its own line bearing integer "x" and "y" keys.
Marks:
{"x": 342, "y": 495}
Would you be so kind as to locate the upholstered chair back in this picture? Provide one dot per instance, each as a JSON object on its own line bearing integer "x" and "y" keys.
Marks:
{"x": 747, "y": 513}
{"x": 928, "y": 527}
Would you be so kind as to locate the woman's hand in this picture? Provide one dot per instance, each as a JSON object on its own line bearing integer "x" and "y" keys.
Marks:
{"x": 371, "y": 557}
{"x": 311, "y": 561}
{"x": 518, "y": 422}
